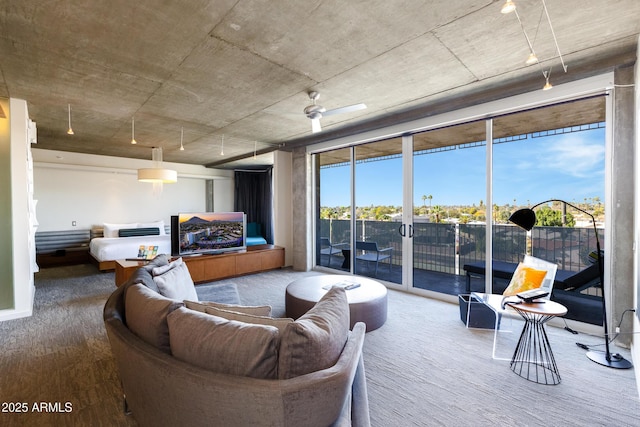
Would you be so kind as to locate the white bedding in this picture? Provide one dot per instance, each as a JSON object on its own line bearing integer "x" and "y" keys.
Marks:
{"x": 113, "y": 248}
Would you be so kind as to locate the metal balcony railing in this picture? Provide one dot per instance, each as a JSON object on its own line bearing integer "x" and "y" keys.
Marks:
{"x": 447, "y": 248}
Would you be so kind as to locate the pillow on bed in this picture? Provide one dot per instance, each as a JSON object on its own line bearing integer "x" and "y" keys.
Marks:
{"x": 156, "y": 224}
{"x": 111, "y": 230}
{"x": 135, "y": 232}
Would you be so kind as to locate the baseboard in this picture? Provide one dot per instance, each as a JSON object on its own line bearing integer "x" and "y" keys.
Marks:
{"x": 12, "y": 313}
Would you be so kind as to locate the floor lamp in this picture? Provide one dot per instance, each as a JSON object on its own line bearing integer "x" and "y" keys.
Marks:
{"x": 526, "y": 219}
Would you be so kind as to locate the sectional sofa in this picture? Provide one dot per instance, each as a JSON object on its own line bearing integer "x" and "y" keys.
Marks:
{"x": 194, "y": 361}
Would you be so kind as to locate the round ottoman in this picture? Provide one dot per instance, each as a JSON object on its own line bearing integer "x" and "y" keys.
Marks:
{"x": 367, "y": 301}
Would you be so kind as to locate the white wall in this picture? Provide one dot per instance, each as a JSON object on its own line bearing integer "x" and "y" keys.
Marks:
{"x": 635, "y": 343}
{"x": 18, "y": 246}
{"x": 92, "y": 190}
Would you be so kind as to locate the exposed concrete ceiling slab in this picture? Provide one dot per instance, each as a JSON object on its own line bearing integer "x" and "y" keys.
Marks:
{"x": 242, "y": 69}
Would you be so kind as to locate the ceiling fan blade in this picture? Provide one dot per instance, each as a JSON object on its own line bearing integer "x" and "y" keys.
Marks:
{"x": 347, "y": 109}
{"x": 315, "y": 125}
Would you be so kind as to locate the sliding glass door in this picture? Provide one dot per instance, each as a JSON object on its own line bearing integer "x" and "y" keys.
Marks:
{"x": 378, "y": 213}
{"x": 333, "y": 215}
{"x": 449, "y": 186}
{"x": 421, "y": 210}
{"x": 543, "y": 160}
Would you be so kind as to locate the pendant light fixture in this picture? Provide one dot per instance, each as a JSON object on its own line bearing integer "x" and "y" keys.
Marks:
{"x": 547, "y": 85}
{"x": 181, "y": 138}
{"x": 509, "y": 7}
{"x": 133, "y": 130}
{"x": 157, "y": 174}
{"x": 532, "y": 59}
{"x": 69, "y": 131}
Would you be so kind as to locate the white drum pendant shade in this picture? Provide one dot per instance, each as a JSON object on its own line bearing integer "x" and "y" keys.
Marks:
{"x": 166, "y": 176}
{"x": 157, "y": 173}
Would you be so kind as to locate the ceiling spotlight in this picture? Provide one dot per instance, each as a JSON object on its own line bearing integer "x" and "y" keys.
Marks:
{"x": 547, "y": 85}
{"x": 133, "y": 131}
{"x": 222, "y": 147}
{"x": 70, "y": 131}
{"x": 181, "y": 138}
{"x": 532, "y": 59}
{"x": 508, "y": 7}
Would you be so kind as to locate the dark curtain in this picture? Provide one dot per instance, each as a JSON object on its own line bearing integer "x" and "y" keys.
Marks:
{"x": 253, "y": 196}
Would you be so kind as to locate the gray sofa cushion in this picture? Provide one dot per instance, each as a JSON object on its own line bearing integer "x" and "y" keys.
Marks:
{"x": 224, "y": 346}
{"x": 143, "y": 274}
{"x": 280, "y": 323}
{"x": 315, "y": 341}
{"x": 174, "y": 281}
{"x": 146, "y": 313}
{"x": 255, "y": 310}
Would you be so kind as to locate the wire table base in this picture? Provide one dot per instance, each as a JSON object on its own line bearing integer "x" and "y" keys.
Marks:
{"x": 533, "y": 358}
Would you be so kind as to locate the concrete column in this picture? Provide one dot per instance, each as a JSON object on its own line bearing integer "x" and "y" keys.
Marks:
{"x": 620, "y": 295}
{"x": 283, "y": 203}
{"x": 302, "y": 210}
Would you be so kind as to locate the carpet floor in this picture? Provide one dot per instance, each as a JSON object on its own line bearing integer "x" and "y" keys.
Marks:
{"x": 423, "y": 367}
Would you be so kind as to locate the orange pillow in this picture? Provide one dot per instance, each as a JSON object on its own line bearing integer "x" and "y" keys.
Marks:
{"x": 524, "y": 279}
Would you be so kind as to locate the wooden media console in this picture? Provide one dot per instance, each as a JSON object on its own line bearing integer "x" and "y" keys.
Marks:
{"x": 207, "y": 268}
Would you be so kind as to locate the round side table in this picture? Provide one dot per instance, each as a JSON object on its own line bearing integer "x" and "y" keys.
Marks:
{"x": 533, "y": 358}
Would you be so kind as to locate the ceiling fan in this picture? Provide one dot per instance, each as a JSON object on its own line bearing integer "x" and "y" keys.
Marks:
{"x": 315, "y": 112}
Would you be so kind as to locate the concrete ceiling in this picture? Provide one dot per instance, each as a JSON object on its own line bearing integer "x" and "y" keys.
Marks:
{"x": 241, "y": 70}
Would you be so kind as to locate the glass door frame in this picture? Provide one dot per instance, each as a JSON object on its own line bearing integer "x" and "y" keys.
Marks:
{"x": 407, "y": 212}
{"x": 571, "y": 91}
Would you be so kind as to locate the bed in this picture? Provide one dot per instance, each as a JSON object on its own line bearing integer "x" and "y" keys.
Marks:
{"x": 121, "y": 241}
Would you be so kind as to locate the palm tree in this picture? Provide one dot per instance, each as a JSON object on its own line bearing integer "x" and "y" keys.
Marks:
{"x": 437, "y": 210}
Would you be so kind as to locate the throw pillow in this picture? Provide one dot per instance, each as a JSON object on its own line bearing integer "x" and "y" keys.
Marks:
{"x": 524, "y": 279}
{"x": 111, "y": 230}
{"x": 255, "y": 310}
{"x": 159, "y": 261}
{"x": 155, "y": 224}
{"x": 224, "y": 346}
{"x": 280, "y": 323}
{"x": 315, "y": 341}
{"x": 137, "y": 232}
{"x": 161, "y": 269}
{"x": 174, "y": 281}
{"x": 146, "y": 314}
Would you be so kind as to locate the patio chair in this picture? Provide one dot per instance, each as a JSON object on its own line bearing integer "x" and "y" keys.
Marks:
{"x": 371, "y": 253}
{"x": 578, "y": 281}
{"x": 330, "y": 249}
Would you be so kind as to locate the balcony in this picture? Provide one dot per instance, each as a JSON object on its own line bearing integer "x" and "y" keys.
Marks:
{"x": 441, "y": 250}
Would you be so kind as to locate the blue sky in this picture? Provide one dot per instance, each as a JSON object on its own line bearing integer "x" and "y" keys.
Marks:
{"x": 567, "y": 166}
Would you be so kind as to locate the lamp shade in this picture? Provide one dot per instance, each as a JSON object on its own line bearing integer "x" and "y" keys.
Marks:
{"x": 157, "y": 174}
{"x": 524, "y": 218}
{"x": 166, "y": 176}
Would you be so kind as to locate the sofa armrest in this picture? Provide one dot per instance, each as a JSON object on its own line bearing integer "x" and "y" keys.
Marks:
{"x": 359, "y": 398}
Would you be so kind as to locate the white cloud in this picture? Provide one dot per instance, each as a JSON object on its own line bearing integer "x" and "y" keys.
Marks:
{"x": 573, "y": 154}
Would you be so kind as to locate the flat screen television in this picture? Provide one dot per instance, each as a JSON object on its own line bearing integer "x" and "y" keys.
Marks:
{"x": 200, "y": 233}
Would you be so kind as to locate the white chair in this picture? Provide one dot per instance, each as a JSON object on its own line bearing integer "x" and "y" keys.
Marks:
{"x": 496, "y": 302}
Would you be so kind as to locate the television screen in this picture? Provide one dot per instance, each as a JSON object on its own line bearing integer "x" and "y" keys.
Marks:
{"x": 210, "y": 232}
